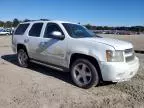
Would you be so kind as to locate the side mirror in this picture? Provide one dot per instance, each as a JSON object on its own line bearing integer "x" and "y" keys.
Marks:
{"x": 57, "y": 35}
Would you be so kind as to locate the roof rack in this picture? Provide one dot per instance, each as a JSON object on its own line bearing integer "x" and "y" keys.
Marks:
{"x": 37, "y": 20}
{"x": 44, "y": 20}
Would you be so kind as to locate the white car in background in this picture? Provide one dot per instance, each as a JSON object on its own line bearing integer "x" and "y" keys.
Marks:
{"x": 4, "y": 32}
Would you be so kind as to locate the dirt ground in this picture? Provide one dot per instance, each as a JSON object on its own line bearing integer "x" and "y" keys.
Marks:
{"x": 41, "y": 87}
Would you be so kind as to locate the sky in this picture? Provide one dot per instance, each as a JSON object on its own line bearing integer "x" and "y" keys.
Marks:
{"x": 95, "y": 12}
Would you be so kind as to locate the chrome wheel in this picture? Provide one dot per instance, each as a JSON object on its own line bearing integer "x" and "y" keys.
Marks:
{"x": 82, "y": 73}
{"x": 22, "y": 58}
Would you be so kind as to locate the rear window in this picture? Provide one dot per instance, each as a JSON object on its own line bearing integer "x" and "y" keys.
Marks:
{"x": 21, "y": 29}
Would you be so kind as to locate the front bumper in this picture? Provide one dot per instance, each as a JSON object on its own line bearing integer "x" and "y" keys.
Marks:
{"x": 118, "y": 72}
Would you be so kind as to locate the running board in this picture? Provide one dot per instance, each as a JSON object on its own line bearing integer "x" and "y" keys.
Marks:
{"x": 47, "y": 65}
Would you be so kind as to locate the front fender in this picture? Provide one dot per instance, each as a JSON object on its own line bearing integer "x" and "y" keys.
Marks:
{"x": 95, "y": 50}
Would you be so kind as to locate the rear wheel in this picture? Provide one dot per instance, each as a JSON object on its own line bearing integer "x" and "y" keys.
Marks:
{"x": 84, "y": 74}
{"x": 23, "y": 58}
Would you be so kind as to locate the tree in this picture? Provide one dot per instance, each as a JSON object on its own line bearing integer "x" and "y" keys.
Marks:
{"x": 15, "y": 22}
{"x": 88, "y": 26}
{"x": 45, "y": 19}
{"x": 1, "y": 23}
{"x": 26, "y": 20}
{"x": 8, "y": 24}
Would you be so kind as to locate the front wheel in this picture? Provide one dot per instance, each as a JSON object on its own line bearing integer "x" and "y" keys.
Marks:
{"x": 22, "y": 58}
{"x": 84, "y": 74}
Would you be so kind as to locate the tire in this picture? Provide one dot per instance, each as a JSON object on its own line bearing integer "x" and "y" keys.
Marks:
{"x": 22, "y": 58}
{"x": 84, "y": 74}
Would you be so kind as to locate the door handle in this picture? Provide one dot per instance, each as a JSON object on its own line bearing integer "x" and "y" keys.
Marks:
{"x": 26, "y": 40}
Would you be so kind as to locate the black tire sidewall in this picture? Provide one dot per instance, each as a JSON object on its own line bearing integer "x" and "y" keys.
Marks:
{"x": 19, "y": 51}
{"x": 95, "y": 76}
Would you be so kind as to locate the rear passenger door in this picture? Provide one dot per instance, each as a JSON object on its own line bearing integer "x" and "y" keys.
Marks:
{"x": 19, "y": 35}
{"x": 34, "y": 39}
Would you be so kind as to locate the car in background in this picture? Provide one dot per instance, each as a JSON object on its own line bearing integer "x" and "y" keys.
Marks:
{"x": 4, "y": 32}
{"x": 10, "y": 30}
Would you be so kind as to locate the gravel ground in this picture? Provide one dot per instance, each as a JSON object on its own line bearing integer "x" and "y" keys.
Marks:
{"x": 41, "y": 87}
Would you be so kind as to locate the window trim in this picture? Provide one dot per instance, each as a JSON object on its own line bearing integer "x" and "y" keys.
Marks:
{"x": 31, "y": 28}
{"x": 25, "y": 29}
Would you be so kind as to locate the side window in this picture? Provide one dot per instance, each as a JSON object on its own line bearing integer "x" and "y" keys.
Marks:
{"x": 36, "y": 30}
{"x": 21, "y": 29}
{"x": 50, "y": 28}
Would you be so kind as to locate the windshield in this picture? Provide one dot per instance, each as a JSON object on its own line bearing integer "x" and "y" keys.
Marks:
{"x": 78, "y": 31}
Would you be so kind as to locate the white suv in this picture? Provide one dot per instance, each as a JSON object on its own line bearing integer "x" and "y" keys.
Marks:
{"x": 72, "y": 48}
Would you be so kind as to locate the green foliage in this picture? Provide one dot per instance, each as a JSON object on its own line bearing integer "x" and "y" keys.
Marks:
{"x": 26, "y": 20}
{"x": 1, "y": 23}
{"x": 8, "y": 24}
{"x": 15, "y": 22}
{"x": 45, "y": 19}
{"x": 88, "y": 26}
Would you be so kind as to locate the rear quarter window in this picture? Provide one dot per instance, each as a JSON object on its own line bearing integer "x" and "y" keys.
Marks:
{"x": 21, "y": 29}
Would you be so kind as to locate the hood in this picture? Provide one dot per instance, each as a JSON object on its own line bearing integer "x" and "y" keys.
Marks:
{"x": 117, "y": 44}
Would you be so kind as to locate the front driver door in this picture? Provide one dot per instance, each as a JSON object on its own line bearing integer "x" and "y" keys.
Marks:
{"x": 53, "y": 51}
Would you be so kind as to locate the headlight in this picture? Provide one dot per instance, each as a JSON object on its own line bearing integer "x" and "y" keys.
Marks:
{"x": 114, "y": 56}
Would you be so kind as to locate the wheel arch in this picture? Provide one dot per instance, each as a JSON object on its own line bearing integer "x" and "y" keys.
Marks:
{"x": 21, "y": 46}
{"x": 93, "y": 60}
